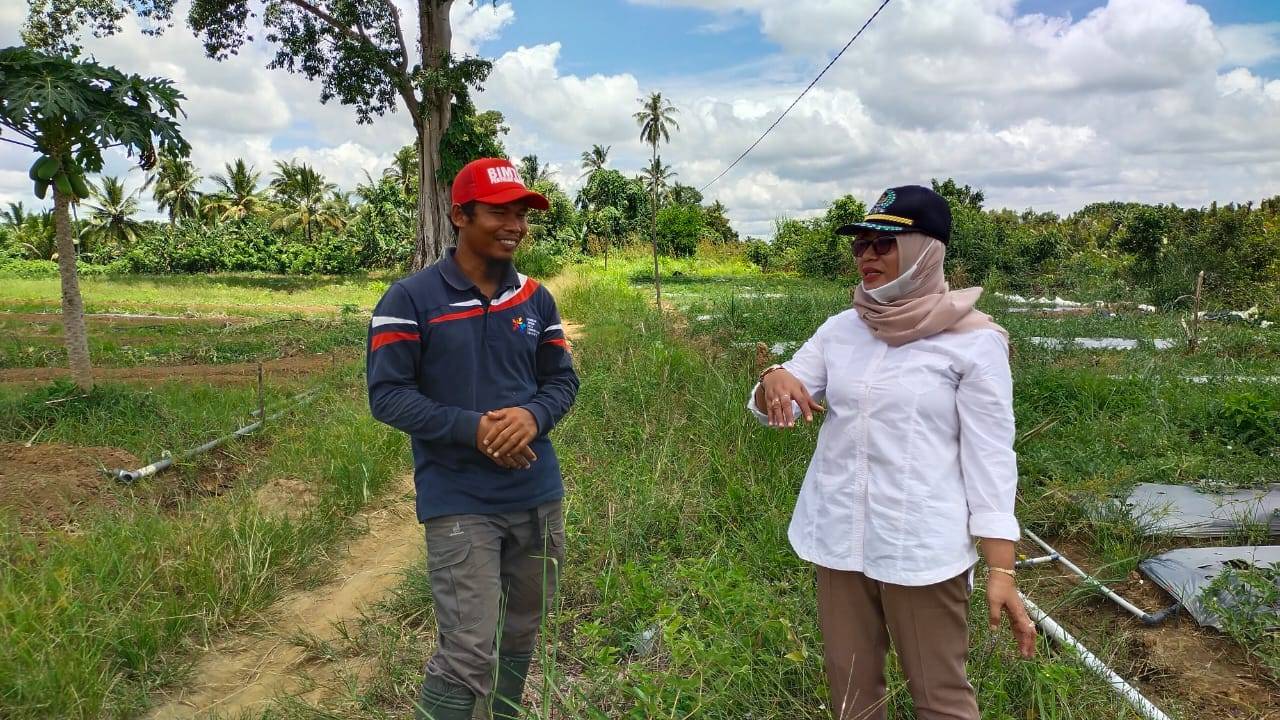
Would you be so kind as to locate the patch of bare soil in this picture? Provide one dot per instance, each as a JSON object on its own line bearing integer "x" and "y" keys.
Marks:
{"x": 285, "y": 497}
{"x": 118, "y": 319}
{"x": 572, "y": 330}
{"x": 243, "y": 673}
{"x": 46, "y": 483}
{"x": 1176, "y": 664}
{"x": 223, "y": 374}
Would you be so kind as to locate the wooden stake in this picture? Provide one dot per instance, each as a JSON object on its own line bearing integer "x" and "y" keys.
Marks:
{"x": 262, "y": 406}
{"x": 1193, "y": 339}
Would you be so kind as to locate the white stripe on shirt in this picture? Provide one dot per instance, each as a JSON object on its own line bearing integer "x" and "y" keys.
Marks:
{"x": 549, "y": 328}
{"x": 466, "y": 303}
{"x": 380, "y": 320}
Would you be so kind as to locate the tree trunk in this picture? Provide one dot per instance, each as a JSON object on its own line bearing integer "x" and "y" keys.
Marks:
{"x": 73, "y": 329}
{"x": 653, "y": 231}
{"x": 433, "y": 228}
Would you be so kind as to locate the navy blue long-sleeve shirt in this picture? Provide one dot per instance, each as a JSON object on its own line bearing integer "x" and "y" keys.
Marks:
{"x": 440, "y": 354}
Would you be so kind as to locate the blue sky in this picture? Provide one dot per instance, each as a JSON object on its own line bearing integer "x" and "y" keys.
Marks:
{"x": 1146, "y": 100}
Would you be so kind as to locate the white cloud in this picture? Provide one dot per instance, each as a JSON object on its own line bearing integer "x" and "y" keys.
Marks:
{"x": 1250, "y": 45}
{"x": 474, "y": 24}
{"x": 1143, "y": 100}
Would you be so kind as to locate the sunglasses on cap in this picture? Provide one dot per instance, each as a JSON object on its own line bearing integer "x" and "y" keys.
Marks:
{"x": 882, "y": 243}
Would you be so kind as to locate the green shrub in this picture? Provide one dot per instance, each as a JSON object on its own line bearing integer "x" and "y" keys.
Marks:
{"x": 679, "y": 229}
{"x": 28, "y": 269}
{"x": 1250, "y": 420}
{"x": 760, "y": 253}
{"x": 25, "y": 269}
{"x": 546, "y": 258}
{"x": 1246, "y": 601}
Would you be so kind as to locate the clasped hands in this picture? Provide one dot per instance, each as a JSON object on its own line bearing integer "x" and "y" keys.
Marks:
{"x": 504, "y": 436}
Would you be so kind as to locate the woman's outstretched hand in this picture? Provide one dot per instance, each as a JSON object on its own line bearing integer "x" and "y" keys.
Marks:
{"x": 777, "y": 391}
{"x": 1002, "y": 598}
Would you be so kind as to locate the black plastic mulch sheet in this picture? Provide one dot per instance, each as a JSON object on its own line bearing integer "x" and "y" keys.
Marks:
{"x": 1185, "y": 573}
{"x": 1187, "y": 512}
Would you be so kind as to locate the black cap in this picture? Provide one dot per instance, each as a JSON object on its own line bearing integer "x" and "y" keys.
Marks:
{"x": 905, "y": 209}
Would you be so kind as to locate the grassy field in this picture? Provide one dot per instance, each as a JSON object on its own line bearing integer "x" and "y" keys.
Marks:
{"x": 103, "y": 600}
{"x": 682, "y": 598}
{"x": 200, "y": 295}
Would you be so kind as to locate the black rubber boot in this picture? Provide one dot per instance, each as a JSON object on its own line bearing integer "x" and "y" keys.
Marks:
{"x": 512, "y": 670}
{"x": 440, "y": 700}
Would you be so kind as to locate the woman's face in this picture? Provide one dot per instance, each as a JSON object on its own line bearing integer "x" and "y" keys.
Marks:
{"x": 877, "y": 268}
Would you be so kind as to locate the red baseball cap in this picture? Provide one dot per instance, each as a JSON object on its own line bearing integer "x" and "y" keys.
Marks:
{"x": 493, "y": 181}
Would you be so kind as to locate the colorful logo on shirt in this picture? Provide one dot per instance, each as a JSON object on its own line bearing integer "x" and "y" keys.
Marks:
{"x": 524, "y": 324}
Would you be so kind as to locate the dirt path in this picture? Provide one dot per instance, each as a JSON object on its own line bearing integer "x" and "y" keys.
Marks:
{"x": 245, "y": 672}
{"x": 126, "y": 319}
{"x": 228, "y": 373}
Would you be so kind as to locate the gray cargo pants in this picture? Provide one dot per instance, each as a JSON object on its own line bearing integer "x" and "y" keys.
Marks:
{"x": 493, "y": 577}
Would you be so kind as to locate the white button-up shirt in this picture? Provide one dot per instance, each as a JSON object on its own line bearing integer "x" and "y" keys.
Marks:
{"x": 915, "y": 456}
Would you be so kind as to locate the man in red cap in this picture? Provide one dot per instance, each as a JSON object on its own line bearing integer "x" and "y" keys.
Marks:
{"x": 468, "y": 357}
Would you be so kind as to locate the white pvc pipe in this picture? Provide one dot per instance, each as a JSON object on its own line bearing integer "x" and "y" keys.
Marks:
{"x": 1029, "y": 562}
{"x": 131, "y": 476}
{"x": 1143, "y": 615}
{"x": 1136, "y": 700}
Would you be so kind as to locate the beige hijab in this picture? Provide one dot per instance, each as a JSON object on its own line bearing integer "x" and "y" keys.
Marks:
{"x": 918, "y": 302}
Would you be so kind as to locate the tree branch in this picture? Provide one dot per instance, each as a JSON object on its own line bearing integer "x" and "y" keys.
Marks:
{"x": 399, "y": 74}
{"x": 404, "y": 49}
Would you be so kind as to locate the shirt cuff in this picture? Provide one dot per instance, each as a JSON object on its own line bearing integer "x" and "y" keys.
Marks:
{"x": 1001, "y": 526}
{"x": 465, "y": 426}
{"x": 540, "y": 416}
{"x": 751, "y": 405}
{"x": 764, "y": 417}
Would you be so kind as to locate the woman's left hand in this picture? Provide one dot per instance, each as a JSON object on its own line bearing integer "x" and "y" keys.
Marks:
{"x": 1002, "y": 597}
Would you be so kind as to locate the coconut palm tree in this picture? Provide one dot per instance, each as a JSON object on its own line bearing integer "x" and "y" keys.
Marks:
{"x": 238, "y": 196}
{"x": 300, "y": 192}
{"x": 532, "y": 171}
{"x": 111, "y": 213}
{"x": 657, "y": 177}
{"x": 404, "y": 170}
{"x": 595, "y": 159}
{"x": 173, "y": 184}
{"x": 35, "y": 234}
{"x": 15, "y": 215}
{"x": 656, "y": 122}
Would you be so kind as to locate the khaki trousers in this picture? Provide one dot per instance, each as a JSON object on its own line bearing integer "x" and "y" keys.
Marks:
{"x": 493, "y": 578}
{"x": 929, "y": 628}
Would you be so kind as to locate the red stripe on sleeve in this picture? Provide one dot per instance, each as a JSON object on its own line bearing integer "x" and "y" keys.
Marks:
{"x": 557, "y": 341}
{"x": 387, "y": 338}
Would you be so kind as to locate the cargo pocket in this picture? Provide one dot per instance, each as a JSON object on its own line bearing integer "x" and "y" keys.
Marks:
{"x": 444, "y": 562}
{"x": 553, "y": 527}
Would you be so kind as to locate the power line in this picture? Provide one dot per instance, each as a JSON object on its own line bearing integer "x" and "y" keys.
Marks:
{"x": 798, "y": 97}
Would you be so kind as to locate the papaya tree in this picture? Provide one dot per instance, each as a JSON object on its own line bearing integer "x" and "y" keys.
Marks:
{"x": 358, "y": 50}
{"x": 67, "y": 111}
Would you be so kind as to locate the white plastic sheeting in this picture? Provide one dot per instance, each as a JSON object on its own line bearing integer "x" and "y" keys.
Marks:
{"x": 1105, "y": 343}
{"x": 1247, "y": 316}
{"x": 1060, "y": 304}
{"x": 1186, "y": 512}
{"x": 1185, "y": 573}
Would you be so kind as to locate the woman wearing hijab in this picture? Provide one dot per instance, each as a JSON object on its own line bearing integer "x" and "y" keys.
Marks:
{"x": 914, "y": 464}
